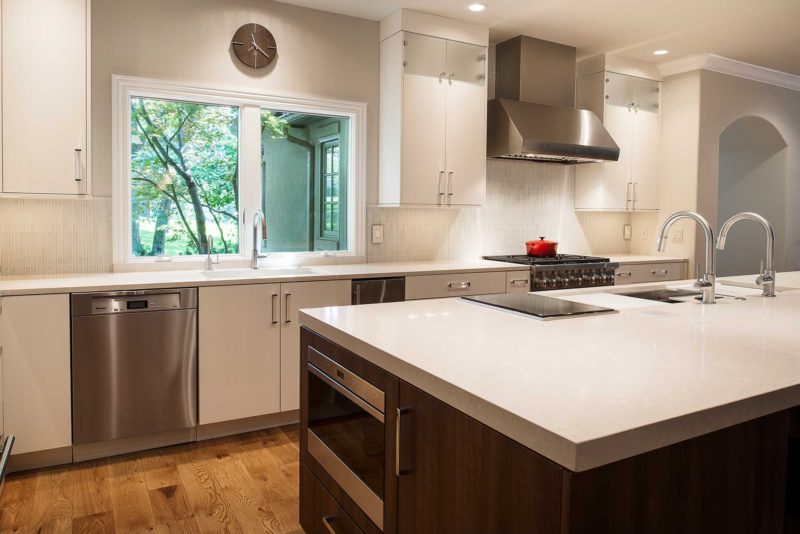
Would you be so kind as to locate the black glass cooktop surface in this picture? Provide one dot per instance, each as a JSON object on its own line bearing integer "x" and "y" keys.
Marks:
{"x": 538, "y": 306}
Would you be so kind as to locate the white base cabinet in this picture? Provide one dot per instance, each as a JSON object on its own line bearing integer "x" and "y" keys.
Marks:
{"x": 294, "y": 297}
{"x": 36, "y": 371}
{"x": 239, "y": 363}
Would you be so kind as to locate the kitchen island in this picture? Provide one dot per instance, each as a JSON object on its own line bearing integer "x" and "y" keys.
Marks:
{"x": 674, "y": 418}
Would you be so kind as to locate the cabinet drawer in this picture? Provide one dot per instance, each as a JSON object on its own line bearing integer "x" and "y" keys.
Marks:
{"x": 637, "y": 273}
{"x": 454, "y": 285}
{"x": 518, "y": 281}
{"x": 319, "y": 511}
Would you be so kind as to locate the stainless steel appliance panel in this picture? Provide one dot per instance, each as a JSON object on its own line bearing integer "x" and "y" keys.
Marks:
{"x": 377, "y": 290}
{"x": 133, "y": 372}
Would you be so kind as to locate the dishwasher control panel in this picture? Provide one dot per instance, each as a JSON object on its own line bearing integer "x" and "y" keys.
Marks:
{"x": 135, "y": 303}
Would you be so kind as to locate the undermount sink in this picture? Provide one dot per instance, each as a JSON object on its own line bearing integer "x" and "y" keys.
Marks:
{"x": 667, "y": 296}
{"x": 265, "y": 272}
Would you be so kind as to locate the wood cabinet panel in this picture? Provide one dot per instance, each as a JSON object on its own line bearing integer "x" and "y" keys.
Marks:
{"x": 319, "y": 511}
{"x": 36, "y": 371}
{"x": 464, "y": 477}
{"x": 239, "y": 352}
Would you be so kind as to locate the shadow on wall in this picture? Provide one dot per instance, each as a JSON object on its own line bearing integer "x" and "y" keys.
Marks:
{"x": 752, "y": 177}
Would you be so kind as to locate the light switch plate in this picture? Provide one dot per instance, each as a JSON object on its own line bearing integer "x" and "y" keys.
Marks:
{"x": 626, "y": 232}
{"x": 377, "y": 234}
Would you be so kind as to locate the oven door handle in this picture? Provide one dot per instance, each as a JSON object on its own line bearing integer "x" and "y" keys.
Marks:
{"x": 361, "y": 403}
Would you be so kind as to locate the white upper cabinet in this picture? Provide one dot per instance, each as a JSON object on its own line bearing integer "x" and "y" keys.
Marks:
{"x": 433, "y": 120}
{"x": 629, "y": 108}
{"x": 44, "y": 96}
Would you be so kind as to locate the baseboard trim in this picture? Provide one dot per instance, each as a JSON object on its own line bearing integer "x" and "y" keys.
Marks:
{"x": 248, "y": 424}
{"x": 104, "y": 449}
{"x": 39, "y": 459}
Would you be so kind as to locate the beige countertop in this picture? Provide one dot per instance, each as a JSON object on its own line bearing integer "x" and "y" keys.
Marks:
{"x": 588, "y": 391}
{"x": 156, "y": 279}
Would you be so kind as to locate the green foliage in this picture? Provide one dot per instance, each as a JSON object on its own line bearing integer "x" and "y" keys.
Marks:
{"x": 185, "y": 177}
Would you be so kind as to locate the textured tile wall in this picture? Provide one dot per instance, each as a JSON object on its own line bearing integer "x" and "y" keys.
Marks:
{"x": 55, "y": 236}
{"x": 523, "y": 201}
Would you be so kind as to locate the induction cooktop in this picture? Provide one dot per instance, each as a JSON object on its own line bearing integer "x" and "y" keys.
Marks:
{"x": 538, "y": 306}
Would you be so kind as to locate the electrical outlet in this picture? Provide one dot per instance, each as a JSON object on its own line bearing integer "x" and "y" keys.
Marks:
{"x": 377, "y": 234}
{"x": 626, "y": 232}
{"x": 677, "y": 236}
{"x": 643, "y": 233}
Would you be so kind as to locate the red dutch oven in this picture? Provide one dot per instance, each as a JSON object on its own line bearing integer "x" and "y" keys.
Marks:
{"x": 541, "y": 247}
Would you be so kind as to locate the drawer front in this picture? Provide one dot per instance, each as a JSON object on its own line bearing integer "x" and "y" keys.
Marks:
{"x": 454, "y": 285}
{"x": 518, "y": 281}
{"x": 319, "y": 511}
{"x": 637, "y": 273}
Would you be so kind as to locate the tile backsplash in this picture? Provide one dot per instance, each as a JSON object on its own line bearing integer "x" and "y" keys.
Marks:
{"x": 523, "y": 201}
{"x": 39, "y": 237}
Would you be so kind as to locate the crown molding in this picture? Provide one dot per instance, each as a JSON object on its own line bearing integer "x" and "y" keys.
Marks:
{"x": 731, "y": 67}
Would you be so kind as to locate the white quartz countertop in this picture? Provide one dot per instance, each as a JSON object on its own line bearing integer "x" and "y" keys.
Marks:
{"x": 783, "y": 281}
{"x": 222, "y": 276}
{"x": 587, "y": 391}
{"x": 633, "y": 258}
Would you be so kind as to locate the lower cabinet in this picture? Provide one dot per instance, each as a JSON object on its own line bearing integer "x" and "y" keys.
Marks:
{"x": 637, "y": 273}
{"x": 239, "y": 365}
{"x": 295, "y": 297}
{"x": 432, "y": 286}
{"x": 36, "y": 371}
{"x": 320, "y": 513}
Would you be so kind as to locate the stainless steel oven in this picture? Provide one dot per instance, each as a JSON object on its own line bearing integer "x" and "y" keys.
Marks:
{"x": 346, "y": 433}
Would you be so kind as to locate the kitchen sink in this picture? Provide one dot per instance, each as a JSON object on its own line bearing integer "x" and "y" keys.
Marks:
{"x": 668, "y": 296}
{"x": 265, "y": 272}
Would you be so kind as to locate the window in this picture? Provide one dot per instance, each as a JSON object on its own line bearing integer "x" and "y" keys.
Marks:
{"x": 184, "y": 178}
{"x": 192, "y": 166}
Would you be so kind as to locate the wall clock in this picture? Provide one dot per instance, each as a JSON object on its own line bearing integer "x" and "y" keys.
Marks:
{"x": 254, "y": 45}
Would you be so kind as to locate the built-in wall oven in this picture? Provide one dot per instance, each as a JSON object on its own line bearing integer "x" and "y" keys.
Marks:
{"x": 346, "y": 432}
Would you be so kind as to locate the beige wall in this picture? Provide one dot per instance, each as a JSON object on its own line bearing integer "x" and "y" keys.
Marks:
{"x": 319, "y": 55}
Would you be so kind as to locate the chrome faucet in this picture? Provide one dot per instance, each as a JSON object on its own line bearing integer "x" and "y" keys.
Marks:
{"x": 259, "y": 230}
{"x": 767, "y": 277}
{"x": 209, "y": 247}
{"x": 706, "y": 283}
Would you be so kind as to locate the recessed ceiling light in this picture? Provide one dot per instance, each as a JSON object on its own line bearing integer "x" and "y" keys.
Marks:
{"x": 476, "y": 8}
{"x": 660, "y": 52}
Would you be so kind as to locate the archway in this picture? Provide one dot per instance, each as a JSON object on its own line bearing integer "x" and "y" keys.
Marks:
{"x": 752, "y": 177}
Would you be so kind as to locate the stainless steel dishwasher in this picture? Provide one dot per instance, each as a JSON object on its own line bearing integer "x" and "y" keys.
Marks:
{"x": 134, "y": 370}
{"x": 377, "y": 290}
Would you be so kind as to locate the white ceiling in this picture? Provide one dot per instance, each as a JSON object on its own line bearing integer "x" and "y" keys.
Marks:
{"x": 762, "y": 32}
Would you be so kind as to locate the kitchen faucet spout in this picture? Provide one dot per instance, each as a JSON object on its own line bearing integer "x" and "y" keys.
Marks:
{"x": 766, "y": 279}
{"x": 706, "y": 284}
{"x": 259, "y": 233}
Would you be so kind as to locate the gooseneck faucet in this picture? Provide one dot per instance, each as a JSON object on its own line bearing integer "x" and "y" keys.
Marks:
{"x": 706, "y": 283}
{"x": 209, "y": 248}
{"x": 767, "y": 277}
{"x": 259, "y": 233}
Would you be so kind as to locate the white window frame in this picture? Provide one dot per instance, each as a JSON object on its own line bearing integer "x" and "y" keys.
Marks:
{"x": 250, "y": 104}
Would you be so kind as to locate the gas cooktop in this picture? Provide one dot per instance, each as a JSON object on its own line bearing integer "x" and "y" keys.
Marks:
{"x": 558, "y": 259}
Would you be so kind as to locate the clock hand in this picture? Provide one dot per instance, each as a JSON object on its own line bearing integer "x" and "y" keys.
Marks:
{"x": 262, "y": 51}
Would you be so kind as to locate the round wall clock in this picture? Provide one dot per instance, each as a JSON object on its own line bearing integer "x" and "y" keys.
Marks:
{"x": 254, "y": 45}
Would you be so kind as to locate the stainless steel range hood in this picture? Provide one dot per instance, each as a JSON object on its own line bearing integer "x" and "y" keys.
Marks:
{"x": 533, "y": 116}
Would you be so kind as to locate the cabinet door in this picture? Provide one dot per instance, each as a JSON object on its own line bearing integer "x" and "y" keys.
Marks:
{"x": 239, "y": 352}
{"x": 645, "y": 164}
{"x": 424, "y": 55}
{"x": 466, "y": 62}
{"x": 44, "y": 67}
{"x": 423, "y": 145}
{"x": 466, "y": 143}
{"x": 295, "y": 297}
{"x": 617, "y": 174}
{"x": 36, "y": 376}
{"x": 451, "y": 463}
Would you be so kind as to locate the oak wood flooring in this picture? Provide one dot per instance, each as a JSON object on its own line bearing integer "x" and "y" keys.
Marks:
{"x": 245, "y": 483}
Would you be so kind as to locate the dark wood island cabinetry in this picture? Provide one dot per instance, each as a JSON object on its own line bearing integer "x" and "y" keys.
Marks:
{"x": 445, "y": 472}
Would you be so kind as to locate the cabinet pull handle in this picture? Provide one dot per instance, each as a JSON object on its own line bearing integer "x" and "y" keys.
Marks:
{"x": 450, "y": 78}
{"x": 78, "y": 165}
{"x": 274, "y": 308}
{"x": 659, "y": 272}
{"x": 327, "y": 522}
{"x": 624, "y": 274}
{"x": 520, "y": 282}
{"x": 450, "y": 186}
{"x": 629, "y": 196}
{"x": 441, "y": 183}
{"x": 287, "y": 318}
{"x": 458, "y": 285}
{"x": 633, "y": 194}
{"x": 399, "y": 469}
{"x": 441, "y": 76}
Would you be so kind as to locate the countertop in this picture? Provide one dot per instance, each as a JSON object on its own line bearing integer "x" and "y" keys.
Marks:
{"x": 783, "y": 281}
{"x": 36, "y": 285}
{"x": 633, "y": 258}
{"x": 589, "y": 391}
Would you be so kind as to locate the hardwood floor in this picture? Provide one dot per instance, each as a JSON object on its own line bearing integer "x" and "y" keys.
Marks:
{"x": 245, "y": 483}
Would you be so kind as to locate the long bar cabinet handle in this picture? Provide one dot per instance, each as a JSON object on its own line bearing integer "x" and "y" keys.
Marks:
{"x": 78, "y": 177}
